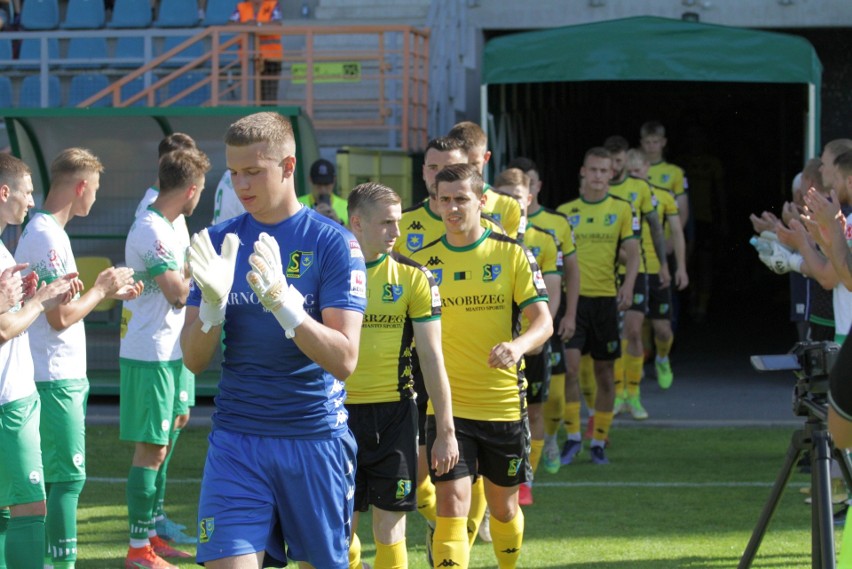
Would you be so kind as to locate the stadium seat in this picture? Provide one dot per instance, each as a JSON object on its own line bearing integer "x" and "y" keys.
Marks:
{"x": 177, "y": 14}
{"x": 6, "y": 100}
{"x": 84, "y": 86}
{"x": 5, "y": 53}
{"x": 30, "y": 96}
{"x": 218, "y": 12}
{"x": 130, "y": 14}
{"x": 131, "y": 49}
{"x": 194, "y": 51}
{"x": 40, "y": 14}
{"x": 31, "y": 49}
{"x": 197, "y": 98}
{"x": 132, "y": 88}
{"x": 84, "y": 15}
{"x": 88, "y": 49}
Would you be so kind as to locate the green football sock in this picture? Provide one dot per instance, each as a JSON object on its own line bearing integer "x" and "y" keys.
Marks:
{"x": 160, "y": 497}
{"x": 141, "y": 488}
{"x": 25, "y": 542}
{"x": 61, "y": 522}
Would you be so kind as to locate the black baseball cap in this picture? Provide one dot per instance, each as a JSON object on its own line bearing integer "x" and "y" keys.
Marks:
{"x": 322, "y": 172}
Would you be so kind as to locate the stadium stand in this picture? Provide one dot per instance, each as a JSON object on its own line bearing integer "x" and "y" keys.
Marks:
{"x": 84, "y": 15}
{"x": 30, "y": 96}
{"x": 129, "y": 52}
{"x": 31, "y": 50}
{"x": 89, "y": 50}
{"x": 6, "y": 99}
{"x": 193, "y": 99}
{"x": 5, "y": 53}
{"x": 84, "y": 86}
{"x": 182, "y": 57}
{"x": 218, "y": 12}
{"x": 177, "y": 14}
{"x": 40, "y": 14}
{"x": 130, "y": 14}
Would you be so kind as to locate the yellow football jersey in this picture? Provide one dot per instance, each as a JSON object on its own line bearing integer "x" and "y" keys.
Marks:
{"x": 504, "y": 209}
{"x": 599, "y": 228}
{"x": 668, "y": 176}
{"x": 420, "y": 226}
{"x": 399, "y": 292}
{"x": 483, "y": 287}
{"x": 557, "y": 225}
{"x": 638, "y": 193}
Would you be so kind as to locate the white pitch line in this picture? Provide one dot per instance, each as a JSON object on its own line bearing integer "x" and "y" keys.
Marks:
{"x": 103, "y": 480}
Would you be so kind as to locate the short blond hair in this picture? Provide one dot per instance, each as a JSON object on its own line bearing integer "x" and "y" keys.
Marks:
{"x": 73, "y": 162}
{"x": 271, "y": 128}
{"x": 512, "y": 177}
{"x": 370, "y": 194}
{"x": 636, "y": 157}
{"x": 470, "y": 134}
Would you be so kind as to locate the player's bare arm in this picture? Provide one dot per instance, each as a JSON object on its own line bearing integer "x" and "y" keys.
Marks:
{"x": 506, "y": 354}
{"x": 114, "y": 282}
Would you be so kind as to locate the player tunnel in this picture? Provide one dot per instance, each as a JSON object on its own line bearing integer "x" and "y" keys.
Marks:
{"x": 748, "y": 98}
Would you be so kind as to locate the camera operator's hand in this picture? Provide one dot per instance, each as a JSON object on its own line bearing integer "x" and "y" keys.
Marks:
{"x": 328, "y": 211}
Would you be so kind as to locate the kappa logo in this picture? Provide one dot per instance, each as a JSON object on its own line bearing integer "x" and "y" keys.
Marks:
{"x": 434, "y": 261}
{"x": 415, "y": 226}
{"x": 300, "y": 262}
{"x": 511, "y": 550}
{"x": 205, "y": 530}
{"x": 447, "y": 563}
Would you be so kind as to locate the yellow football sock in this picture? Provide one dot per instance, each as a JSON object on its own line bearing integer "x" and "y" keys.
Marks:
{"x": 632, "y": 373}
{"x": 450, "y": 547}
{"x": 536, "y": 446}
{"x": 554, "y": 407}
{"x": 588, "y": 385}
{"x": 355, "y": 552}
{"x": 394, "y": 556}
{"x": 477, "y": 509}
{"x": 618, "y": 375}
{"x": 507, "y": 539}
{"x": 572, "y": 417}
{"x": 426, "y": 500}
{"x": 664, "y": 347}
{"x": 603, "y": 422}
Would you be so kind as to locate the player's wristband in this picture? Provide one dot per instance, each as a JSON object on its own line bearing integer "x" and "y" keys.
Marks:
{"x": 795, "y": 262}
{"x": 212, "y": 315}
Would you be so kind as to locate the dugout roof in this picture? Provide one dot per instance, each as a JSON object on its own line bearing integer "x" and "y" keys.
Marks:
{"x": 656, "y": 49}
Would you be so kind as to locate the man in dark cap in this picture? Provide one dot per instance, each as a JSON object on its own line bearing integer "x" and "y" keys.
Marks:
{"x": 322, "y": 197}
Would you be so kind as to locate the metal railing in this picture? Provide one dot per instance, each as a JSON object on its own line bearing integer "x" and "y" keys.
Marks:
{"x": 364, "y": 78}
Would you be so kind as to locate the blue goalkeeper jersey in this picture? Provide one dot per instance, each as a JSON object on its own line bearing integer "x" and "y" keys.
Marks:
{"x": 268, "y": 386}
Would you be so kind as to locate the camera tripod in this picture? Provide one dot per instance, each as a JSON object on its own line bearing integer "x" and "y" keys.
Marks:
{"x": 813, "y": 437}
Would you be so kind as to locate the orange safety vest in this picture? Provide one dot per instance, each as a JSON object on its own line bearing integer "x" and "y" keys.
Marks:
{"x": 270, "y": 46}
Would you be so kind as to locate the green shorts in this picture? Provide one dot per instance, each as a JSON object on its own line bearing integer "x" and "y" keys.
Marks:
{"x": 63, "y": 428}
{"x": 146, "y": 407}
{"x": 22, "y": 475}
{"x": 184, "y": 391}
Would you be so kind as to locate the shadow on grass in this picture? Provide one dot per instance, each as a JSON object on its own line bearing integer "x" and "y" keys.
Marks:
{"x": 689, "y": 562}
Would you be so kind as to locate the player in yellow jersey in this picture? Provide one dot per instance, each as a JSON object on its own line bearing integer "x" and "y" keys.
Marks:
{"x": 420, "y": 225}
{"x": 503, "y": 209}
{"x": 652, "y": 267}
{"x": 545, "y": 248}
{"x": 652, "y": 137}
{"x": 602, "y": 226}
{"x": 557, "y": 225}
{"x": 660, "y": 297}
{"x": 486, "y": 280}
{"x": 403, "y": 304}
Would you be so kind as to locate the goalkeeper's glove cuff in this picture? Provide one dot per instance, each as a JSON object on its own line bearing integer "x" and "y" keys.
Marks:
{"x": 291, "y": 312}
{"x": 212, "y": 314}
{"x": 795, "y": 262}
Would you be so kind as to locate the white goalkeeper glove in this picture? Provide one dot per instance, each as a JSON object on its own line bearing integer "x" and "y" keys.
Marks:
{"x": 781, "y": 259}
{"x": 214, "y": 275}
{"x": 267, "y": 280}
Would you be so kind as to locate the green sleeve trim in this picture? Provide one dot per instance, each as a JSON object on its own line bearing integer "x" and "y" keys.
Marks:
{"x": 161, "y": 268}
{"x": 526, "y": 303}
{"x": 552, "y": 273}
{"x": 427, "y": 318}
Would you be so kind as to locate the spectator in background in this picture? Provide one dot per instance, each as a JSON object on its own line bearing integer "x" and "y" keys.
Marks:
{"x": 322, "y": 197}
{"x": 10, "y": 14}
{"x": 264, "y": 13}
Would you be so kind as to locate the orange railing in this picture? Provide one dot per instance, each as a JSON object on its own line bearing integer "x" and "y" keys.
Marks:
{"x": 345, "y": 77}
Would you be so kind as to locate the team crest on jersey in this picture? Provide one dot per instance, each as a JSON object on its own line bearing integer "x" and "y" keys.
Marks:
{"x": 611, "y": 347}
{"x": 638, "y": 298}
{"x": 633, "y": 196}
{"x": 514, "y": 466}
{"x": 666, "y": 178}
{"x": 574, "y": 220}
{"x": 391, "y": 292}
{"x": 496, "y": 216}
{"x": 414, "y": 241}
{"x": 490, "y": 272}
{"x": 609, "y": 219}
{"x": 300, "y": 262}
{"x": 438, "y": 274}
{"x": 403, "y": 489}
{"x": 555, "y": 358}
{"x": 205, "y": 530}
{"x": 535, "y": 251}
